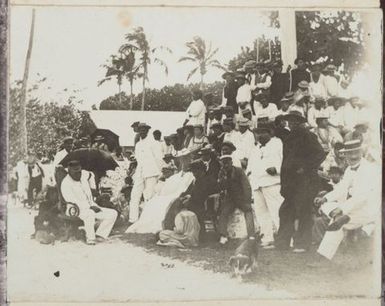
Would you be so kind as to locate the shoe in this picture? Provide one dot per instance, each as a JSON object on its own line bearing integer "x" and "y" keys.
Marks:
{"x": 338, "y": 223}
{"x": 298, "y": 250}
{"x": 100, "y": 239}
{"x": 90, "y": 242}
{"x": 223, "y": 240}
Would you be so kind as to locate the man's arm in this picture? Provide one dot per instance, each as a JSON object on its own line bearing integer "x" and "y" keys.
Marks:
{"x": 314, "y": 155}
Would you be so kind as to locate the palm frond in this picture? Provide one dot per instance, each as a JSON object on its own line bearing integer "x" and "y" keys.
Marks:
{"x": 186, "y": 58}
{"x": 192, "y": 72}
{"x": 161, "y": 63}
{"x": 104, "y": 80}
{"x": 210, "y": 56}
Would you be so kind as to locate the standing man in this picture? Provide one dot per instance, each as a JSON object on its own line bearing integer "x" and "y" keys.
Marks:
{"x": 302, "y": 156}
{"x": 134, "y": 127}
{"x": 298, "y": 74}
{"x": 264, "y": 169}
{"x": 149, "y": 156}
{"x": 196, "y": 112}
{"x": 230, "y": 92}
{"x": 246, "y": 142}
{"x": 279, "y": 83}
{"x": 237, "y": 194}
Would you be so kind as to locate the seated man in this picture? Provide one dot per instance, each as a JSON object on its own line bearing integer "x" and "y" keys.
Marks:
{"x": 76, "y": 188}
{"x": 186, "y": 230}
{"x": 353, "y": 203}
{"x": 237, "y": 190}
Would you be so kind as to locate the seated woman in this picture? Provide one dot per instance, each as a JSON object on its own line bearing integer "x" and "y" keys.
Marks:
{"x": 154, "y": 212}
{"x": 199, "y": 140}
{"x": 186, "y": 230}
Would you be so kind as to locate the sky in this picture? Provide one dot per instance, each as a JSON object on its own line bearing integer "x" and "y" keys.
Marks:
{"x": 71, "y": 44}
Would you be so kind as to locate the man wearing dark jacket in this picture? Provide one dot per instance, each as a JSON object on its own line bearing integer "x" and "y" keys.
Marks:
{"x": 302, "y": 156}
{"x": 298, "y": 74}
{"x": 230, "y": 91}
{"x": 237, "y": 194}
{"x": 279, "y": 84}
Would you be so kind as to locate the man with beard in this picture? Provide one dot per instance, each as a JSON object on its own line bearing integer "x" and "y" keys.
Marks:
{"x": 302, "y": 156}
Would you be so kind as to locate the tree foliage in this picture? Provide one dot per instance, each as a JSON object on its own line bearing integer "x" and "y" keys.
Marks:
{"x": 47, "y": 124}
{"x": 337, "y": 35}
{"x": 169, "y": 98}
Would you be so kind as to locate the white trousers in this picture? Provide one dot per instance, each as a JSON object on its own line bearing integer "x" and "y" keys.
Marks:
{"x": 142, "y": 186}
{"x": 267, "y": 201}
{"x": 104, "y": 220}
{"x": 332, "y": 239}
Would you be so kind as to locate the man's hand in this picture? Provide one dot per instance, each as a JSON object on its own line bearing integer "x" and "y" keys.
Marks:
{"x": 318, "y": 201}
{"x": 271, "y": 171}
{"x": 335, "y": 212}
{"x": 95, "y": 208}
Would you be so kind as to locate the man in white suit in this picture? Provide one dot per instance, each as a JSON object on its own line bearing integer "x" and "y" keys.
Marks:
{"x": 263, "y": 170}
{"x": 149, "y": 156}
{"x": 360, "y": 191}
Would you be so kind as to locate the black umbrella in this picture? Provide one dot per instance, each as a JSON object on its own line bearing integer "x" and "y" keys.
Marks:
{"x": 94, "y": 160}
{"x": 110, "y": 138}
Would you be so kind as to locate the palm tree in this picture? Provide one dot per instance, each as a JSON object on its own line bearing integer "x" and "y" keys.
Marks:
{"x": 202, "y": 56}
{"x": 137, "y": 40}
{"x": 115, "y": 69}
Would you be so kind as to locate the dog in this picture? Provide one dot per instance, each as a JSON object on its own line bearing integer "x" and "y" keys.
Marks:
{"x": 244, "y": 260}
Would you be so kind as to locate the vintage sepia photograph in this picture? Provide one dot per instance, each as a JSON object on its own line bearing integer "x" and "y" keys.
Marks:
{"x": 193, "y": 153}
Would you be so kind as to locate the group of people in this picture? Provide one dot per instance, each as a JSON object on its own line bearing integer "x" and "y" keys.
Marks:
{"x": 290, "y": 150}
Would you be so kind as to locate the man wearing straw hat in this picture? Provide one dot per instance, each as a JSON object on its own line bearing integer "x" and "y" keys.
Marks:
{"x": 354, "y": 203}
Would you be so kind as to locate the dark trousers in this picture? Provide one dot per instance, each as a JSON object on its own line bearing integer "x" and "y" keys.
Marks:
{"x": 227, "y": 208}
{"x": 35, "y": 184}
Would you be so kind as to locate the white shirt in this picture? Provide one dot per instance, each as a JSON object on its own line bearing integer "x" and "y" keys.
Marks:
{"x": 233, "y": 136}
{"x": 245, "y": 145}
{"x": 266, "y": 84}
{"x": 317, "y": 88}
{"x": 331, "y": 85}
{"x": 270, "y": 111}
{"x": 59, "y": 157}
{"x": 196, "y": 112}
{"x": 350, "y": 115}
{"x": 149, "y": 156}
{"x": 262, "y": 158}
{"x": 79, "y": 192}
{"x": 244, "y": 93}
{"x": 336, "y": 117}
{"x": 360, "y": 197}
{"x": 313, "y": 113}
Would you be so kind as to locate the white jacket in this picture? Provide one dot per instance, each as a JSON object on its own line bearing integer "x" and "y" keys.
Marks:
{"x": 262, "y": 158}
{"x": 149, "y": 156}
{"x": 196, "y": 112}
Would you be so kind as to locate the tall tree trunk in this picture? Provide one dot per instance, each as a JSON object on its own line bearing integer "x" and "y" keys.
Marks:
{"x": 120, "y": 94}
{"x": 144, "y": 91}
{"x": 201, "y": 83}
{"x": 131, "y": 95}
{"x": 23, "y": 95}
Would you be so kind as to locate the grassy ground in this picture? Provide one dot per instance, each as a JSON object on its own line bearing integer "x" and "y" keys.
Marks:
{"x": 350, "y": 273}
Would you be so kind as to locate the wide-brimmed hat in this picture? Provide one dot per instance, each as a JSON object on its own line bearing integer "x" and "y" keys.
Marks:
{"x": 330, "y": 67}
{"x": 295, "y": 116}
{"x": 263, "y": 127}
{"x": 229, "y": 144}
{"x": 303, "y": 84}
{"x": 289, "y": 96}
{"x": 68, "y": 139}
{"x": 226, "y": 74}
{"x": 250, "y": 64}
{"x": 97, "y": 138}
{"x": 352, "y": 145}
{"x": 206, "y": 150}
{"x": 143, "y": 125}
{"x": 244, "y": 122}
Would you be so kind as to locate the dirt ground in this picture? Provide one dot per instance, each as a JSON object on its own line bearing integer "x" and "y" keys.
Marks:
{"x": 131, "y": 267}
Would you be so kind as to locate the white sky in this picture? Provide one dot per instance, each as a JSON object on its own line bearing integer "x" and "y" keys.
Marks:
{"x": 71, "y": 44}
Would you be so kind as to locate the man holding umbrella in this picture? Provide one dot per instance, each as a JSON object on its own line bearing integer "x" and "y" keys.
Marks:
{"x": 149, "y": 156}
{"x": 76, "y": 188}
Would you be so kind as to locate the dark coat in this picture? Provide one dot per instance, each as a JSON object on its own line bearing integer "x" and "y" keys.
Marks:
{"x": 279, "y": 86}
{"x": 230, "y": 94}
{"x": 237, "y": 186}
{"x": 301, "y": 149}
{"x": 298, "y": 76}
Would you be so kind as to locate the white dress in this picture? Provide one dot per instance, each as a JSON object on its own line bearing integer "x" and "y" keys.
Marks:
{"x": 156, "y": 208}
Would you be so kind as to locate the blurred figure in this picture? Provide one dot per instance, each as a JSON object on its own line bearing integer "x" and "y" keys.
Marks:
{"x": 196, "y": 112}
{"x": 298, "y": 74}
